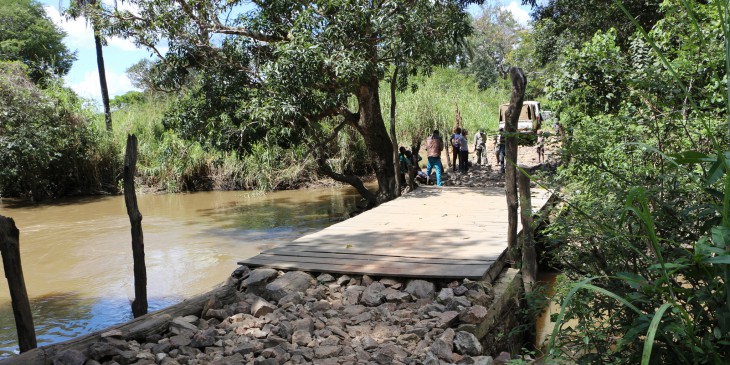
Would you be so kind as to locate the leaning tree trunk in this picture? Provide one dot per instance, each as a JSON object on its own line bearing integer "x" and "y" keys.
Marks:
{"x": 380, "y": 148}
{"x": 519, "y": 81}
{"x": 102, "y": 79}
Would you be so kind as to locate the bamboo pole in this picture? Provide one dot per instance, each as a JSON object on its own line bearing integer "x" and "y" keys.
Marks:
{"x": 139, "y": 305}
{"x": 10, "y": 251}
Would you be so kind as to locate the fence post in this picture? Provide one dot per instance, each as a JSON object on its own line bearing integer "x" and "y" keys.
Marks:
{"x": 529, "y": 257}
{"x": 139, "y": 305}
{"x": 10, "y": 251}
{"x": 519, "y": 82}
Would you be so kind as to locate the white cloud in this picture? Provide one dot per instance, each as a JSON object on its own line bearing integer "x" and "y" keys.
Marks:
{"x": 89, "y": 88}
{"x": 79, "y": 34}
{"x": 520, "y": 14}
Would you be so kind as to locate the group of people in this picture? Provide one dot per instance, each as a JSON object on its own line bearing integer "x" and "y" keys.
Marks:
{"x": 459, "y": 142}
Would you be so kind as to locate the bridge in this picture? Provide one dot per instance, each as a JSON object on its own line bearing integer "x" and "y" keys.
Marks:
{"x": 432, "y": 232}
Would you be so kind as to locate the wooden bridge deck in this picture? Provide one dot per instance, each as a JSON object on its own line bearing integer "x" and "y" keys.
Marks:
{"x": 433, "y": 232}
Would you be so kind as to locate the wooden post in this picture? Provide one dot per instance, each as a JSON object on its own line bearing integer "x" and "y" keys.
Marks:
{"x": 519, "y": 81}
{"x": 529, "y": 257}
{"x": 10, "y": 251}
{"x": 139, "y": 305}
{"x": 393, "y": 138}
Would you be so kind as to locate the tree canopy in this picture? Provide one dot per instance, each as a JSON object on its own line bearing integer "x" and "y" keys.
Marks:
{"x": 289, "y": 66}
{"x": 29, "y": 36}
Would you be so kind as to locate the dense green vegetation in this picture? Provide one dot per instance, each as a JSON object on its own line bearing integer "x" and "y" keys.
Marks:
{"x": 643, "y": 230}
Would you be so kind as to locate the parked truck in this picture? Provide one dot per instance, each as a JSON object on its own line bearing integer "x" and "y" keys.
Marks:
{"x": 529, "y": 122}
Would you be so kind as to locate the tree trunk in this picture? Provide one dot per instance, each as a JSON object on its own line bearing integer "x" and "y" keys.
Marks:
{"x": 394, "y": 140}
{"x": 10, "y": 251}
{"x": 102, "y": 79}
{"x": 519, "y": 81}
{"x": 139, "y": 305}
{"x": 529, "y": 257}
{"x": 380, "y": 148}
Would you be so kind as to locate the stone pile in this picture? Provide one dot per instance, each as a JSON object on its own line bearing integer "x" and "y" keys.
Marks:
{"x": 296, "y": 318}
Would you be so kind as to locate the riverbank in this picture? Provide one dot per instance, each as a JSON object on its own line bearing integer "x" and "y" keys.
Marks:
{"x": 265, "y": 316}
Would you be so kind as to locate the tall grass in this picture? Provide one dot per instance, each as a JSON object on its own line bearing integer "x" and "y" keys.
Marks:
{"x": 432, "y": 105}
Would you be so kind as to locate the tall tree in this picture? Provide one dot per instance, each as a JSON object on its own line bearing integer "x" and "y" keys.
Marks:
{"x": 89, "y": 7}
{"x": 496, "y": 34}
{"x": 29, "y": 36}
{"x": 564, "y": 24}
{"x": 301, "y": 62}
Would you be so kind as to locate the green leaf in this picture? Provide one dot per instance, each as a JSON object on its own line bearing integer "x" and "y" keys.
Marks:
{"x": 688, "y": 157}
{"x": 668, "y": 265}
{"x": 721, "y": 236}
{"x": 649, "y": 342}
{"x": 716, "y": 172}
{"x": 724, "y": 259}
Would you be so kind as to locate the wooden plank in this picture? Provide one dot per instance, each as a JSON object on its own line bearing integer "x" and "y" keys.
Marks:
{"x": 286, "y": 251}
{"x": 465, "y": 253}
{"x": 362, "y": 262}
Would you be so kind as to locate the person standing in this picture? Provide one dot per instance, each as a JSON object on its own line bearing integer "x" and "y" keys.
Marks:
{"x": 464, "y": 152}
{"x": 480, "y": 146}
{"x": 500, "y": 149}
{"x": 455, "y": 138}
{"x": 434, "y": 146}
{"x": 540, "y": 147}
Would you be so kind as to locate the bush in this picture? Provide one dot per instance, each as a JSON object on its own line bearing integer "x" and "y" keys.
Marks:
{"x": 46, "y": 145}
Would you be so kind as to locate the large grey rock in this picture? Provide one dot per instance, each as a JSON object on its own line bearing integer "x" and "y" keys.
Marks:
{"x": 446, "y": 319}
{"x": 126, "y": 357}
{"x": 260, "y": 308}
{"x": 431, "y": 359}
{"x": 322, "y": 352}
{"x": 257, "y": 280}
{"x": 203, "y": 338}
{"x": 473, "y": 315}
{"x": 445, "y": 295}
{"x": 180, "y": 340}
{"x": 70, "y": 357}
{"x": 458, "y": 303}
{"x": 301, "y": 337}
{"x": 101, "y": 351}
{"x": 180, "y": 324}
{"x": 368, "y": 343}
{"x": 325, "y": 278}
{"x": 291, "y": 282}
{"x": 420, "y": 289}
{"x": 304, "y": 324}
{"x": 467, "y": 344}
{"x": 395, "y": 296}
{"x": 373, "y": 296}
{"x": 442, "y": 350}
{"x": 352, "y": 295}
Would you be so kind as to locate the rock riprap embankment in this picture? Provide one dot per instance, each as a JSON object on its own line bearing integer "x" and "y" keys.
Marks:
{"x": 296, "y": 318}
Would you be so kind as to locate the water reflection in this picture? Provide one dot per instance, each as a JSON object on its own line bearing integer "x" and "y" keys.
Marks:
{"x": 77, "y": 262}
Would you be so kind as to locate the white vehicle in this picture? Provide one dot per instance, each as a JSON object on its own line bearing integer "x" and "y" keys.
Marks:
{"x": 530, "y": 118}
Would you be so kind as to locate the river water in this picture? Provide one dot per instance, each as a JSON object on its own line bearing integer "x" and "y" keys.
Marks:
{"x": 77, "y": 254}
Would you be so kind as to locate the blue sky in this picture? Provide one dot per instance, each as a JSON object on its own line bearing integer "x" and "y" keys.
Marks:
{"x": 119, "y": 54}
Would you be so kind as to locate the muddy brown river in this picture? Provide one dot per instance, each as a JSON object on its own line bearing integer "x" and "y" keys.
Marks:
{"x": 77, "y": 254}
